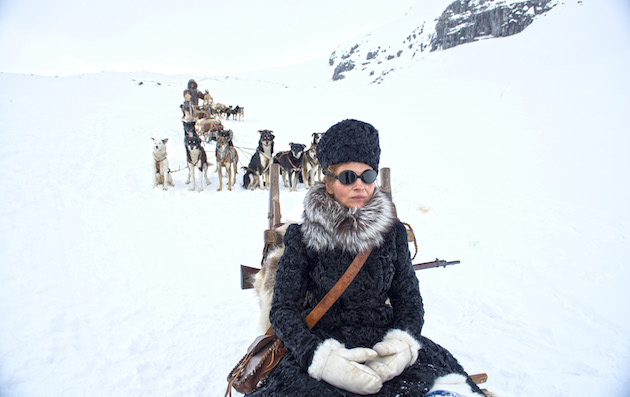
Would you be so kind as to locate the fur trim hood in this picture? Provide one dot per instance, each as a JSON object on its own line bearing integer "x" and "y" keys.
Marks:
{"x": 328, "y": 224}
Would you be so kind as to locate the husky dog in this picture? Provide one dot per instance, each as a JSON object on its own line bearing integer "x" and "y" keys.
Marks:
{"x": 161, "y": 172}
{"x": 311, "y": 169}
{"x": 265, "y": 150}
{"x": 260, "y": 163}
{"x": 208, "y": 101}
{"x": 226, "y": 157}
{"x": 189, "y": 131}
{"x": 197, "y": 159}
{"x": 316, "y": 137}
{"x": 290, "y": 165}
{"x": 251, "y": 179}
{"x": 189, "y": 128}
{"x": 188, "y": 109}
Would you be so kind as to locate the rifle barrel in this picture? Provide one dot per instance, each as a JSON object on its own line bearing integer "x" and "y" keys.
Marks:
{"x": 435, "y": 263}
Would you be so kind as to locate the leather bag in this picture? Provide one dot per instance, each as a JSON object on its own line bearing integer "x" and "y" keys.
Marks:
{"x": 253, "y": 369}
{"x": 267, "y": 350}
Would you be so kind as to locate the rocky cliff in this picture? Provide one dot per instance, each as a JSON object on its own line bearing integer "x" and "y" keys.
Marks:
{"x": 463, "y": 21}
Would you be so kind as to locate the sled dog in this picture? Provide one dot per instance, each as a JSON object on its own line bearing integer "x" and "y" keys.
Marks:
{"x": 251, "y": 179}
{"x": 161, "y": 172}
{"x": 260, "y": 163}
{"x": 227, "y": 158}
{"x": 197, "y": 160}
{"x": 290, "y": 165}
{"x": 311, "y": 169}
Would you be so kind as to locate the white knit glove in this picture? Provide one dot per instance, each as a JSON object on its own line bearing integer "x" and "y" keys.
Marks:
{"x": 396, "y": 351}
{"x": 341, "y": 367}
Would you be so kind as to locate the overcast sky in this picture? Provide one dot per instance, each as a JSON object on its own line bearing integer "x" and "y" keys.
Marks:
{"x": 213, "y": 37}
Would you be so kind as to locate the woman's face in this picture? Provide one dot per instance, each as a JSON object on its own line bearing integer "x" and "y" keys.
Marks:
{"x": 356, "y": 194}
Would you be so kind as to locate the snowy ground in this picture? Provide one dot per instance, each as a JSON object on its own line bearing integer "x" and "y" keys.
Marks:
{"x": 510, "y": 155}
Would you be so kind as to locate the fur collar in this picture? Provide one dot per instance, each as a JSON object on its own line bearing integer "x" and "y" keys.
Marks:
{"x": 327, "y": 224}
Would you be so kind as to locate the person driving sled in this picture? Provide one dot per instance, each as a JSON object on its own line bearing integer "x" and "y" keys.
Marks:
{"x": 369, "y": 341}
{"x": 191, "y": 98}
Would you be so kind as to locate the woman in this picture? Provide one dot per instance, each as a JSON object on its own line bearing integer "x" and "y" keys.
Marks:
{"x": 369, "y": 342}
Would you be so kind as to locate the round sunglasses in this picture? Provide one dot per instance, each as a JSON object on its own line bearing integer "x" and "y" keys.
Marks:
{"x": 349, "y": 177}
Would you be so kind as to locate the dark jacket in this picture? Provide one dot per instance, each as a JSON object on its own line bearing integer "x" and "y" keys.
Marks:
{"x": 316, "y": 254}
{"x": 193, "y": 92}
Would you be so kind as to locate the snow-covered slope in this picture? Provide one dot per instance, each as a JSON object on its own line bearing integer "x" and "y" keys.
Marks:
{"x": 510, "y": 155}
{"x": 420, "y": 31}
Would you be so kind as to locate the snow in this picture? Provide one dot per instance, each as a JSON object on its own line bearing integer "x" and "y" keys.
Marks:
{"x": 510, "y": 155}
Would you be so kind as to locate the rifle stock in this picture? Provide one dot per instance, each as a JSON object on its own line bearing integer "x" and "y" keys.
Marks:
{"x": 247, "y": 276}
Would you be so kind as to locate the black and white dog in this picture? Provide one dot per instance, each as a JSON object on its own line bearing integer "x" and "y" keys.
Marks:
{"x": 316, "y": 137}
{"x": 311, "y": 169}
{"x": 290, "y": 165}
{"x": 197, "y": 159}
{"x": 189, "y": 131}
{"x": 260, "y": 162}
{"x": 251, "y": 179}
{"x": 161, "y": 172}
{"x": 189, "y": 128}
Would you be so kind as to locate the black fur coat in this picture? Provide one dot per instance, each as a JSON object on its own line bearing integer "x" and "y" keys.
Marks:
{"x": 316, "y": 254}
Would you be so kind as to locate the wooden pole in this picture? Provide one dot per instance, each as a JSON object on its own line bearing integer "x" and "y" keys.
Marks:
{"x": 385, "y": 185}
{"x": 274, "y": 196}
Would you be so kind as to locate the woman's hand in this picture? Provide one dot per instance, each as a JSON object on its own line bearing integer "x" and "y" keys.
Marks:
{"x": 396, "y": 351}
{"x": 342, "y": 367}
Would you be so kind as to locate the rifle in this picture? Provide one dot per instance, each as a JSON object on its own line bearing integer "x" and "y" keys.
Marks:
{"x": 436, "y": 263}
{"x": 247, "y": 273}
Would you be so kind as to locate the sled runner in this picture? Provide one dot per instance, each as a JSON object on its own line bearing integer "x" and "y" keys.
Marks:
{"x": 273, "y": 240}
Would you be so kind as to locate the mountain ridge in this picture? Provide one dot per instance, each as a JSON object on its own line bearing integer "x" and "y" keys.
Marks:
{"x": 461, "y": 22}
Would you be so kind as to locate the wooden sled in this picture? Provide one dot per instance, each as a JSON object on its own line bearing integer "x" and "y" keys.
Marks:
{"x": 272, "y": 239}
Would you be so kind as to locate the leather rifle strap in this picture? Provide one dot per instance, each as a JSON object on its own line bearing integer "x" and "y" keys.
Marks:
{"x": 335, "y": 292}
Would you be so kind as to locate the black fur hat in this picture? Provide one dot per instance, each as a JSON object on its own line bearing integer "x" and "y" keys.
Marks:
{"x": 349, "y": 140}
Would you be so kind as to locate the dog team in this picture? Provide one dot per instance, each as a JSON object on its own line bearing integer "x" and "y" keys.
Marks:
{"x": 191, "y": 109}
{"x": 296, "y": 165}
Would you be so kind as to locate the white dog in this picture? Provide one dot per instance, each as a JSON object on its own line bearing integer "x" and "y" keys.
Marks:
{"x": 161, "y": 172}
